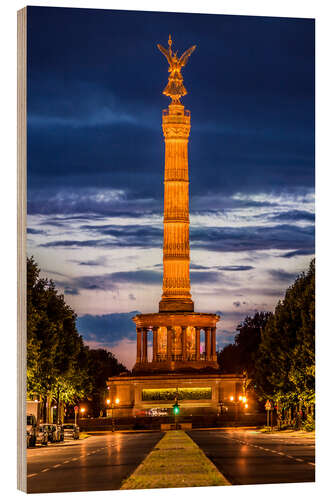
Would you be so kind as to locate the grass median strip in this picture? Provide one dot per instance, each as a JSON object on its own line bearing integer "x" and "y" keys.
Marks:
{"x": 175, "y": 462}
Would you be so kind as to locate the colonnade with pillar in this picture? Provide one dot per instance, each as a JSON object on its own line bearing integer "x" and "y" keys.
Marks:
{"x": 170, "y": 355}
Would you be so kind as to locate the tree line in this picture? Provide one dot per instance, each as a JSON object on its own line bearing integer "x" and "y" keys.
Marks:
{"x": 61, "y": 369}
{"x": 276, "y": 352}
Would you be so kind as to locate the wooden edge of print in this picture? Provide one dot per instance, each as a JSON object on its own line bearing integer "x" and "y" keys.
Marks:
{"x": 21, "y": 245}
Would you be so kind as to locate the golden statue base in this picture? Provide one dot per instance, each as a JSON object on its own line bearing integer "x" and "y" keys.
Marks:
{"x": 176, "y": 305}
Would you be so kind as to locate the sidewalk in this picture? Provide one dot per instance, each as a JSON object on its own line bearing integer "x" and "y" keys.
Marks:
{"x": 289, "y": 433}
{"x": 176, "y": 461}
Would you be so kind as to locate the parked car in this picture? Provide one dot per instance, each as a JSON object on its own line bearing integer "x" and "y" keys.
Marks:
{"x": 31, "y": 430}
{"x": 42, "y": 436}
{"x": 71, "y": 431}
{"x": 52, "y": 432}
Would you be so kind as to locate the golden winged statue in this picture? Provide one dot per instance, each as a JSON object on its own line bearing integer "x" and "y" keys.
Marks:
{"x": 175, "y": 88}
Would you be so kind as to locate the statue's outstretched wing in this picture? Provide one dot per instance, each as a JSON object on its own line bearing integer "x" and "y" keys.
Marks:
{"x": 165, "y": 52}
{"x": 184, "y": 58}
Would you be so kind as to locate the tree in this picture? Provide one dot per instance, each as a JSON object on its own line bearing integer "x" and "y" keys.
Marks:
{"x": 54, "y": 347}
{"x": 59, "y": 366}
{"x": 285, "y": 362}
{"x": 239, "y": 357}
{"x": 102, "y": 364}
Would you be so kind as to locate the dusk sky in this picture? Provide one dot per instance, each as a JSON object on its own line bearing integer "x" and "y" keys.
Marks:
{"x": 96, "y": 162}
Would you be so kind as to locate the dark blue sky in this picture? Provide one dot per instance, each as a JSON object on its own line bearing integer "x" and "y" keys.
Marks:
{"x": 95, "y": 147}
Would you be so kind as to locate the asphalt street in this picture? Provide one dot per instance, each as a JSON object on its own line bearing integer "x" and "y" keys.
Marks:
{"x": 250, "y": 457}
{"x": 100, "y": 462}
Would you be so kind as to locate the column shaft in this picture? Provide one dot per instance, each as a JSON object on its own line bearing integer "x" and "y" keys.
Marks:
{"x": 155, "y": 343}
{"x": 184, "y": 349}
{"x": 138, "y": 345}
{"x": 169, "y": 342}
{"x": 144, "y": 345}
{"x": 197, "y": 343}
{"x": 214, "y": 344}
{"x": 208, "y": 343}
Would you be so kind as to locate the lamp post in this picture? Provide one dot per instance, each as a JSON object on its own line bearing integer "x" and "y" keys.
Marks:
{"x": 238, "y": 404}
{"x": 113, "y": 402}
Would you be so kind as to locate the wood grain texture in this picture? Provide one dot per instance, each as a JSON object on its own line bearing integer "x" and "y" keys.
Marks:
{"x": 21, "y": 245}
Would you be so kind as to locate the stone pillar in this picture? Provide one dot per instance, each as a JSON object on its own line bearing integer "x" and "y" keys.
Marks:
{"x": 214, "y": 357}
{"x": 144, "y": 345}
{"x": 184, "y": 350}
{"x": 208, "y": 343}
{"x": 169, "y": 342}
{"x": 138, "y": 344}
{"x": 197, "y": 343}
{"x": 155, "y": 329}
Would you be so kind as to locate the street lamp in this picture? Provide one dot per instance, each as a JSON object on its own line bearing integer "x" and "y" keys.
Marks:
{"x": 116, "y": 401}
{"x": 82, "y": 410}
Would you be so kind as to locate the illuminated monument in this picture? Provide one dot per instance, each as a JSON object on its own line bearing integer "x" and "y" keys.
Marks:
{"x": 177, "y": 365}
{"x": 176, "y": 328}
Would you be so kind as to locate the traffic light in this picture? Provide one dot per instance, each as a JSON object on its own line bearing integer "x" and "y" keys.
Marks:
{"x": 176, "y": 409}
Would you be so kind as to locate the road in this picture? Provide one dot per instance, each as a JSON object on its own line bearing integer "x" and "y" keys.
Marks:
{"x": 99, "y": 462}
{"x": 250, "y": 457}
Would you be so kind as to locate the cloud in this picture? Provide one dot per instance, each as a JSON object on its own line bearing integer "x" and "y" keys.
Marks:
{"x": 240, "y": 239}
{"x": 111, "y": 281}
{"x": 31, "y": 230}
{"x": 296, "y": 253}
{"x": 293, "y": 216}
{"x": 217, "y": 239}
{"x": 107, "y": 328}
{"x": 71, "y": 291}
{"x": 235, "y": 268}
{"x": 221, "y": 268}
{"x": 198, "y": 266}
{"x": 281, "y": 275}
{"x": 101, "y": 261}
